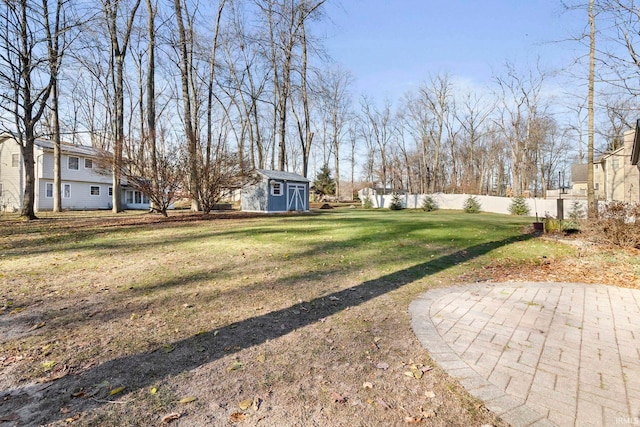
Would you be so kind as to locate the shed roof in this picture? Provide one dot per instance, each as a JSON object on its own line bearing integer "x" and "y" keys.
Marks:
{"x": 282, "y": 175}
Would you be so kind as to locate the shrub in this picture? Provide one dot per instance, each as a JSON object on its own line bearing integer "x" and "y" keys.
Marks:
{"x": 472, "y": 205}
{"x": 396, "y": 202}
{"x": 519, "y": 206}
{"x": 577, "y": 211}
{"x": 552, "y": 225}
{"x": 428, "y": 204}
{"x": 367, "y": 202}
{"x": 618, "y": 223}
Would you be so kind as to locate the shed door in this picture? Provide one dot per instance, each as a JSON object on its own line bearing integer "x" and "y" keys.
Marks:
{"x": 295, "y": 197}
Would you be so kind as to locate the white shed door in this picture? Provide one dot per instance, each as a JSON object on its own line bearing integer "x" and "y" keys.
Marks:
{"x": 295, "y": 197}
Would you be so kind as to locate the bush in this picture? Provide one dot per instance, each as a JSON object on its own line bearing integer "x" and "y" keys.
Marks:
{"x": 519, "y": 206}
{"x": 618, "y": 223}
{"x": 428, "y": 204}
{"x": 552, "y": 225}
{"x": 396, "y": 202}
{"x": 367, "y": 203}
{"x": 472, "y": 205}
{"x": 577, "y": 211}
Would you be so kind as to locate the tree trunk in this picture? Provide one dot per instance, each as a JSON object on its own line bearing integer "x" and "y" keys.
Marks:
{"x": 192, "y": 143}
{"x": 591, "y": 205}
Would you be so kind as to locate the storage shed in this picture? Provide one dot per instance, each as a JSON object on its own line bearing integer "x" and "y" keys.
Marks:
{"x": 276, "y": 191}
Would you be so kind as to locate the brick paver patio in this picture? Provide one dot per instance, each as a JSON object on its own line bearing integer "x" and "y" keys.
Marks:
{"x": 539, "y": 354}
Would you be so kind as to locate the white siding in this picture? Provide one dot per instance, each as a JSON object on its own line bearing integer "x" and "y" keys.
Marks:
{"x": 12, "y": 178}
{"x": 80, "y": 196}
{"x": 82, "y": 174}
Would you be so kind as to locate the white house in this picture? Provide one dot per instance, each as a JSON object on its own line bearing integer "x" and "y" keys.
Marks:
{"x": 84, "y": 185}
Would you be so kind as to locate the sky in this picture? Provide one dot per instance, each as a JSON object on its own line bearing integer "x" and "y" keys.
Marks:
{"x": 393, "y": 46}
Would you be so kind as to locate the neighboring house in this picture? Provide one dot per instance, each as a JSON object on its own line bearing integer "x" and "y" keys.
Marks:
{"x": 614, "y": 176}
{"x": 84, "y": 185}
{"x": 276, "y": 191}
{"x": 635, "y": 149}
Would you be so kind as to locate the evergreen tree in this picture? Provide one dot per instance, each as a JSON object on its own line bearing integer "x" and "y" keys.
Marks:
{"x": 324, "y": 183}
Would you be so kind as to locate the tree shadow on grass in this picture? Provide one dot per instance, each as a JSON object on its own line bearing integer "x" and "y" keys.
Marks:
{"x": 41, "y": 403}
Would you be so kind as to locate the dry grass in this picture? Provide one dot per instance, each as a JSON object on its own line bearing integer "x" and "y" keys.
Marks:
{"x": 294, "y": 316}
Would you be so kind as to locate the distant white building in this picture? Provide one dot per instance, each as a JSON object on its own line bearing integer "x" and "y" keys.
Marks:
{"x": 84, "y": 185}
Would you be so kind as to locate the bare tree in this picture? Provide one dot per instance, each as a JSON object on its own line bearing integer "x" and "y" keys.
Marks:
{"x": 435, "y": 97}
{"x": 519, "y": 106}
{"x": 26, "y": 81}
{"x": 377, "y": 122}
{"x": 185, "y": 64}
{"x": 472, "y": 117}
{"x": 119, "y": 36}
{"x": 336, "y": 102}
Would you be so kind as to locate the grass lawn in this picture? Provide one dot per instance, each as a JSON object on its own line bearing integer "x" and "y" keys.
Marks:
{"x": 255, "y": 320}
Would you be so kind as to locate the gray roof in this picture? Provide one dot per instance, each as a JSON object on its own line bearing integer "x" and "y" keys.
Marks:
{"x": 282, "y": 175}
{"x": 579, "y": 173}
{"x": 45, "y": 144}
{"x": 81, "y": 150}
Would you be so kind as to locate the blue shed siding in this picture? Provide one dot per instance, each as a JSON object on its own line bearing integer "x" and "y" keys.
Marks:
{"x": 293, "y": 194}
{"x": 277, "y": 203}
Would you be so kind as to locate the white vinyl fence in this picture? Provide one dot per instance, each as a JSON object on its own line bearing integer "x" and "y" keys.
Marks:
{"x": 541, "y": 207}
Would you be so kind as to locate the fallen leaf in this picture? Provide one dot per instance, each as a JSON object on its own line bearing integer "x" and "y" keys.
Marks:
{"x": 428, "y": 414}
{"x": 153, "y": 390}
{"x": 38, "y": 326}
{"x": 69, "y": 420}
{"x": 236, "y": 365}
{"x": 188, "y": 399}
{"x": 170, "y": 417}
{"x": 245, "y": 404}
{"x": 257, "y": 401}
{"x": 383, "y": 404}
{"x": 382, "y": 365}
{"x": 168, "y": 348}
{"x": 418, "y": 374}
{"x": 429, "y": 394}
{"x": 413, "y": 420}
{"x": 261, "y": 358}
{"x": 116, "y": 391}
{"x": 48, "y": 365}
{"x": 332, "y": 298}
{"x": 78, "y": 393}
{"x": 409, "y": 374}
{"x": 338, "y": 398}
{"x": 237, "y": 417}
{"x": 367, "y": 385}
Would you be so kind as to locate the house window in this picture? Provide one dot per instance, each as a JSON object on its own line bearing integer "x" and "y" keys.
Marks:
{"x": 95, "y": 190}
{"x": 66, "y": 191}
{"x": 15, "y": 160}
{"x": 595, "y": 166}
{"x": 597, "y": 186}
{"x": 48, "y": 190}
{"x": 73, "y": 163}
{"x": 110, "y": 191}
{"x": 276, "y": 188}
{"x": 88, "y": 164}
{"x": 615, "y": 163}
